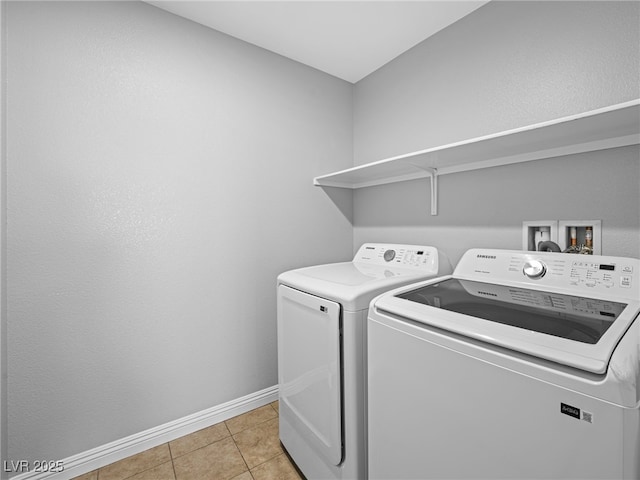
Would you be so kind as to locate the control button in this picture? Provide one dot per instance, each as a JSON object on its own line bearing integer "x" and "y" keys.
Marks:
{"x": 389, "y": 255}
{"x": 625, "y": 281}
{"x": 534, "y": 269}
{"x": 627, "y": 269}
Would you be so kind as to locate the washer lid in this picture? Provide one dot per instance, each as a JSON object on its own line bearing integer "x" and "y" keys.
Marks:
{"x": 572, "y": 330}
{"x": 580, "y": 319}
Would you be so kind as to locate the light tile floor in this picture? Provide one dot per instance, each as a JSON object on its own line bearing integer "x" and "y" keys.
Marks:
{"x": 246, "y": 447}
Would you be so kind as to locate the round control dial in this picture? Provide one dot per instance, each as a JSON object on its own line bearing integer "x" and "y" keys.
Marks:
{"x": 389, "y": 255}
{"x": 534, "y": 269}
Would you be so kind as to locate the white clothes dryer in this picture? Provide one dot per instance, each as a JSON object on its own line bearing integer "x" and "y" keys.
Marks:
{"x": 519, "y": 365}
{"x": 322, "y": 315}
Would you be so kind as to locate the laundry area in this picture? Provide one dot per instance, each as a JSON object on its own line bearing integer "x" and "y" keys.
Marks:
{"x": 388, "y": 255}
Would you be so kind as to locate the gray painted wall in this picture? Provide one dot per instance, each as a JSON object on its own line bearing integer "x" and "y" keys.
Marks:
{"x": 4, "y": 443}
{"x": 159, "y": 178}
{"x": 151, "y": 162}
{"x": 506, "y": 65}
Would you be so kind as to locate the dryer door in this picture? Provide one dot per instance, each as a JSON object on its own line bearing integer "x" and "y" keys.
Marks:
{"x": 309, "y": 366}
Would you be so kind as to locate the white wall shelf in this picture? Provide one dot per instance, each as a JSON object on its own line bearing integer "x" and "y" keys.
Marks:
{"x": 609, "y": 127}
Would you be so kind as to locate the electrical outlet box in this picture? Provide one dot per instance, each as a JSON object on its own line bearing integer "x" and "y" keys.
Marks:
{"x": 580, "y": 236}
{"x": 535, "y": 232}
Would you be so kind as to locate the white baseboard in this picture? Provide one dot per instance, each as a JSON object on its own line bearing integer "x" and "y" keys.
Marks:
{"x": 112, "y": 452}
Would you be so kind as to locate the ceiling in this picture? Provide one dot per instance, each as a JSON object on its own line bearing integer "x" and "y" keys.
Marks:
{"x": 347, "y": 39}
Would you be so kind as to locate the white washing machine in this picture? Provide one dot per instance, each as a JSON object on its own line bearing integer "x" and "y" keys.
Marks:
{"x": 519, "y": 365}
{"x": 322, "y": 315}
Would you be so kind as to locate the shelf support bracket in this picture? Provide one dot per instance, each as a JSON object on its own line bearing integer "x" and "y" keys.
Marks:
{"x": 433, "y": 181}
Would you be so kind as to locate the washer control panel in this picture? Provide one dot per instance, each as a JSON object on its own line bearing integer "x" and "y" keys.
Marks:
{"x": 609, "y": 275}
{"x": 592, "y": 274}
{"x": 402, "y": 256}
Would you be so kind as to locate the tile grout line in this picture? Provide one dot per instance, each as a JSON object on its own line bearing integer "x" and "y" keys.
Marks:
{"x": 173, "y": 465}
{"x": 238, "y": 448}
{"x": 241, "y": 455}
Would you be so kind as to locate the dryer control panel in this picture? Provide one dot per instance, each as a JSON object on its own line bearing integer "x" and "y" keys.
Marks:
{"x": 610, "y": 276}
{"x": 419, "y": 257}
